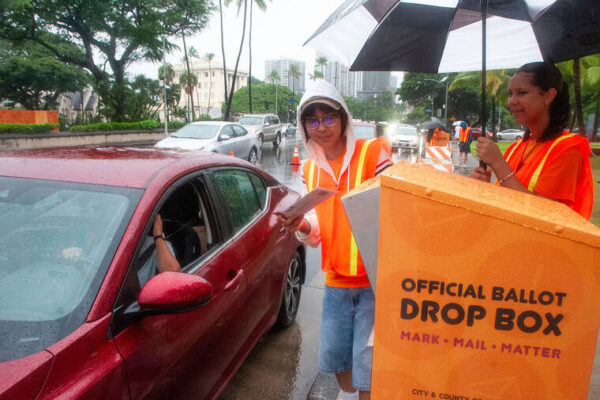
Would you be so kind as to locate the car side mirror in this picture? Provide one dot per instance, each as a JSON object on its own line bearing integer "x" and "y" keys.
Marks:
{"x": 223, "y": 137}
{"x": 172, "y": 292}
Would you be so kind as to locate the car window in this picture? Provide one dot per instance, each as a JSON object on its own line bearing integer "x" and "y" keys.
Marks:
{"x": 56, "y": 243}
{"x": 239, "y": 196}
{"x": 239, "y": 131}
{"x": 261, "y": 190}
{"x": 248, "y": 120}
{"x": 275, "y": 120}
{"x": 197, "y": 131}
{"x": 187, "y": 227}
{"x": 405, "y": 130}
{"x": 227, "y": 131}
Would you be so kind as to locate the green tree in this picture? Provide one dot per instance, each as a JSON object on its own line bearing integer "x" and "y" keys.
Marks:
{"x": 116, "y": 34}
{"x": 496, "y": 86}
{"x": 315, "y": 75}
{"x": 170, "y": 73}
{"x": 209, "y": 57}
{"x": 293, "y": 74}
{"x": 591, "y": 78}
{"x": 31, "y": 76}
{"x": 321, "y": 62}
{"x": 146, "y": 99}
{"x": 274, "y": 78}
{"x": 189, "y": 80}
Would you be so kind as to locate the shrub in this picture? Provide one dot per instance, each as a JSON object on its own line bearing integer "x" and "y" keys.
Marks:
{"x": 27, "y": 128}
{"x": 149, "y": 124}
{"x": 176, "y": 124}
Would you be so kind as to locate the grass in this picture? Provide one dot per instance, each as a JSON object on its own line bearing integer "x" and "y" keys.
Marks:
{"x": 595, "y": 161}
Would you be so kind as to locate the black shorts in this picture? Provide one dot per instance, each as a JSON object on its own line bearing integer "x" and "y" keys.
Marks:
{"x": 464, "y": 147}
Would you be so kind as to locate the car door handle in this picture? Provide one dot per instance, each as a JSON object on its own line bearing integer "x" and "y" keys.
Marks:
{"x": 234, "y": 282}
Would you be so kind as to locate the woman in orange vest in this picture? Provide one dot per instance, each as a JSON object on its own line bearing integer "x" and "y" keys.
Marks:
{"x": 549, "y": 161}
{"x": 339, "y": 162}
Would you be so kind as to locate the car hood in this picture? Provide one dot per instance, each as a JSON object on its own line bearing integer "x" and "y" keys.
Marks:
{"x": 405, "y": 137}
{"x": 23, "y": 378}
{"x": 252, "y": 128}
{"x": 183, "y": 143}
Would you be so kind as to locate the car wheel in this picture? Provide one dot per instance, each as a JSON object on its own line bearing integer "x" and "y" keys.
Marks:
{"x": 252, "y": 157}
{"x": 291, "y": 293}
{"x": 277, "y": 140}
{"x": 261, "y": 140}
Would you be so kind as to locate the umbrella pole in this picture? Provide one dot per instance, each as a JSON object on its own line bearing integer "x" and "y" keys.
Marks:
{"x": 484, "y": 6}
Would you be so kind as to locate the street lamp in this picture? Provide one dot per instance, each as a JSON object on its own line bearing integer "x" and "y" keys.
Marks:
{"x": 441, "y": 81}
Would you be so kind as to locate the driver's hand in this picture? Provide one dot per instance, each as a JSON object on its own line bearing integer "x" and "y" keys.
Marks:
{"x": 157, "y": 229}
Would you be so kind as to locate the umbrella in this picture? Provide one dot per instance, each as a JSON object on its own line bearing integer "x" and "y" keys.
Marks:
{"x": 447, "y": 35}
{"x": 433, "y": 124}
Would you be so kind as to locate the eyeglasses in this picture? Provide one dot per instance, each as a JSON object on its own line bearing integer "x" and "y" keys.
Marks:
{"x": 328, "y": 121}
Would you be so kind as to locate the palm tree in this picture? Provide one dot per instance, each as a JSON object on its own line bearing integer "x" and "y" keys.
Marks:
{"x": 293, "y": 74}
{"x": 496, "y": 87}
{"x": 223, "y": 52}
{"x": 193, "y": 54}
{"x": 189, "y": 80}
{"x": 237, "y": 62}
{"x": 263, "y": 6}
{"x": 209, "y": 57}
{"x": 189, "y": 90}
{"x": 274, "y": 77}
{"x": 316, "y": 75}
{"x": 321, "y": 62}
{"x": 170, "y": 72}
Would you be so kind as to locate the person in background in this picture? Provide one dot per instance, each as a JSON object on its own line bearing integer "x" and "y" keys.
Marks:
{"x": 464, "y": 144}
{"x": 339, "y": 162}
{"x": 549, "y": 161}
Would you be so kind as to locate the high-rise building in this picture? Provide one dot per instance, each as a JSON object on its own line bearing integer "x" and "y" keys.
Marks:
{"x": 346, "y": 81}
{"x": 282, "y": 66}
{"x": 375, "y": 82}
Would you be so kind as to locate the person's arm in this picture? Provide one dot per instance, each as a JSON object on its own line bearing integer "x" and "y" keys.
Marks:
{"x": 165, "y": 259}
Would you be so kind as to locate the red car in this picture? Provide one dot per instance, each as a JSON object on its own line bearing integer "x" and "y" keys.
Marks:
{"x": 476, "y": 132}
{"x": 83, "y": 311}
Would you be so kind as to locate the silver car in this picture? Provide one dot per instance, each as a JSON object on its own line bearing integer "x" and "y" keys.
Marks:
{"x": 510, "y": 134}
{"x": 214, "y": 136}
{"x": 403, "y": 137}
{"x": 266, "y": 127}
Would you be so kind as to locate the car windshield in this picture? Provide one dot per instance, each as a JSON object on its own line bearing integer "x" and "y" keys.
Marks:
{"x": 405, "y": 130}
{"x": 365, "y": 132}
{"x": 197, "y": 131}
{"x": 250, "y": 121}
{"x": 56, "y": 242}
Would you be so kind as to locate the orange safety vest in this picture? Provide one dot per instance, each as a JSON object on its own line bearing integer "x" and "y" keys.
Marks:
{"x": 338, "y": 247}
{"x": 530, "y": 172}
{"x": 464, "y": 134}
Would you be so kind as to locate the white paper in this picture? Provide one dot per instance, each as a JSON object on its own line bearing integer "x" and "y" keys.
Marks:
{"x": 307, "y": 202}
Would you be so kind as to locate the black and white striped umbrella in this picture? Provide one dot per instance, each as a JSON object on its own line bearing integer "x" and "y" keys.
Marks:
{"x": 446, "y": 35}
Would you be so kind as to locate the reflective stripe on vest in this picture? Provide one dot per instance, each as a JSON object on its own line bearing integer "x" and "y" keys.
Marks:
{"x": 357, "y": 181}
{"x": 513, "y": 149}
{"x": 538, "y": 170}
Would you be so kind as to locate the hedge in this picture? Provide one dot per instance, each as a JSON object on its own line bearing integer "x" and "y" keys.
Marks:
{"x": 116, "y": 126}
{"x": 27, "y": 128}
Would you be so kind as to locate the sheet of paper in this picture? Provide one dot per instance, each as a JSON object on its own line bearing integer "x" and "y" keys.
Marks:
{"x": 307, "y": 202}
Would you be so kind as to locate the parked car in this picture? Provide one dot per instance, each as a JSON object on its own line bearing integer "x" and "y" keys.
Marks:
{"x": 369, "y": 130}
{"x": 403, "y": 137}
{"x": 83, "y": 313}
{"x": 510, "y": 134}
{"x": 214, "y": 136}
{"x": 289, "y": 130}
{"x": 266, "y": 127}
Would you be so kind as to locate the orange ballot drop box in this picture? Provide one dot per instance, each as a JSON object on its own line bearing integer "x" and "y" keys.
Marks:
{"x": 482, "y": 292}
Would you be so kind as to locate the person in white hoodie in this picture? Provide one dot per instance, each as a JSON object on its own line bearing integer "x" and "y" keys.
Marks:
{"x": 339, "y": 162}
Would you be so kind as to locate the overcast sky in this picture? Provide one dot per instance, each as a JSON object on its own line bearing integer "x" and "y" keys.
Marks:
{"x": 279, "y": 32}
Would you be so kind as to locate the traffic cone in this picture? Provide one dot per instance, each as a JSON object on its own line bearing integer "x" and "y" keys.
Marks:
{"x": 296, "y": 156}
{"x": 231, "y": 153}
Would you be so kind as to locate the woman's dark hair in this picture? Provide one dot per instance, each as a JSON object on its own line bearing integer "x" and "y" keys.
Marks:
{"x": 546, "y": 76}
{"x": 310, "y": 110}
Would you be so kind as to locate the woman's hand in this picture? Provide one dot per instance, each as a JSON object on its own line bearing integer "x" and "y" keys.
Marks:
{"x": 481, "y": 174}
{"x": 488, "y": 152}
{"x": 293, "y": 224}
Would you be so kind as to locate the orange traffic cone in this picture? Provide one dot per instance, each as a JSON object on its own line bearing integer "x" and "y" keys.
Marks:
{"x": 231, "y": 153}
{"x": 296, "y": 156}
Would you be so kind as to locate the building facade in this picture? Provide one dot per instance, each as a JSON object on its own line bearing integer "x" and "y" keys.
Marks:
{"x": 209, "y": 93}
{"x": 282, "y": 67}
{"x": 349, "y": 83}
{"x": 376, "y": 82}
